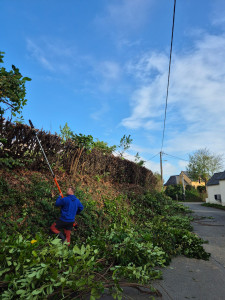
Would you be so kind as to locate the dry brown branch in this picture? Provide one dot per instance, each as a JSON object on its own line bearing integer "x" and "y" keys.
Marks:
{"x": 138, "y": 287}
{"x": 80, "y": 150}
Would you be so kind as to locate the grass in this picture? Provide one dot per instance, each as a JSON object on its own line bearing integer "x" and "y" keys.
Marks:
{"x": 214, "y": 205}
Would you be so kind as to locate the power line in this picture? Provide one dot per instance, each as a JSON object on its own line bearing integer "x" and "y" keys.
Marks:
{"x": 168, "y": 82}
{"x": 175, "y": 157}
{"x": 152, "y": 157}
{"x": 145, "y": 160}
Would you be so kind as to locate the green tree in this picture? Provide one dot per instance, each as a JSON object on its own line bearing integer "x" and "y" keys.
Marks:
{"x": 83, "y": 141}
{"x": 125, "y": 143}
{"x": 66, "y": 132}
{"x": 203, "y": 164}
{"x": 12, "y": 90}
{"x": 104, "y": 147}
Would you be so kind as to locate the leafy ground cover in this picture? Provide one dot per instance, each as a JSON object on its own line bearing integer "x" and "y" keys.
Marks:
{"x": 219, "y": 206}
{"x": 124, "y": 239}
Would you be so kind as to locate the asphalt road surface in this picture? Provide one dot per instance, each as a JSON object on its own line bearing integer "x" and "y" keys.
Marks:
{"x": 187, "y": 278}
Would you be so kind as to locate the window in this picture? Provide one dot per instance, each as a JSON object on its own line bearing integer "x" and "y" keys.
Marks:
{"x": 218, "y": 197}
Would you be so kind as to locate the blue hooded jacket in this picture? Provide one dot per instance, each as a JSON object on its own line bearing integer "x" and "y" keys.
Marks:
{"x": 70, "y": 207}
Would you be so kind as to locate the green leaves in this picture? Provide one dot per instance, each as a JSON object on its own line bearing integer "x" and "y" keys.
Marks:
{"x": 12, "y": 90}
{"x": 203, "y": 164}
{"x": 66, "y": 133}
{"x": 103, "y": 146}
{"x": 128, "y": 239}
{"x": 125, "y": 143}
{"x": 83, "y": 141}
{"x": 43, "y": 271}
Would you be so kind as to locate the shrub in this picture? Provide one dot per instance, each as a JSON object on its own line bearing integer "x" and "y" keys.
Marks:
{"x": 175, "y": 192}
{"x": 192, "y": 195}
{"x": 201, "y": 188}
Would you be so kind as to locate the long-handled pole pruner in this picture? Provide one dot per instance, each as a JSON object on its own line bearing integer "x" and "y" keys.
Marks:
{"x": 60, "y": 192}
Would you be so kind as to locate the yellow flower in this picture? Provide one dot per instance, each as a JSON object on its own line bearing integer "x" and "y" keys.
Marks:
{"x": 33, "y": 241}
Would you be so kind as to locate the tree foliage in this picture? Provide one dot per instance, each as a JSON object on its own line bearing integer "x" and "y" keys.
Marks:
{"x": 125, "y": 143}
{"x": 66, "y": 132}
{"x": 104, "y": 147}
{"x": 12, "y": 90}
{"x": 203, "y": 164}
{"x": 85, "y": 141}
{"x": 138, "y": 160}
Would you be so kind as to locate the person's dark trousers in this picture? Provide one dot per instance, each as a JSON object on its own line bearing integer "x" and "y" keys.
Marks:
{"x": 66, "y": 226}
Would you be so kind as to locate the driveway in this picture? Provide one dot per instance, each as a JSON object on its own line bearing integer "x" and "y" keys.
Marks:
{"x": 187, "y": 278}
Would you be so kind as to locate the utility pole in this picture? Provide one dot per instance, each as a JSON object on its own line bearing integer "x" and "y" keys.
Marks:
{"x": 183, "y": 187}
{"x": 161, "y": 169}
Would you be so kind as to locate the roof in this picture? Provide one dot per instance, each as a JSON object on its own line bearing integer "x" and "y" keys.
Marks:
{"x": 175, "y": 179}
{"x": 172, "y": 180}
{"x": 214, "y": 180}
{"x": 188, "y": 175}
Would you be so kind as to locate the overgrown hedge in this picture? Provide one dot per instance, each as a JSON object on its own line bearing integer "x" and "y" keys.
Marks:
{"x": 18, "y": 146}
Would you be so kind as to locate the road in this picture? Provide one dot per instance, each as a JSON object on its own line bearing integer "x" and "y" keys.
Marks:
{"x": 187, "y": 278}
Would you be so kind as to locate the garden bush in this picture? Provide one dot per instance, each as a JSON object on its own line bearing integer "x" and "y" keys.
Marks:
{"x": 175, "y": 192}
{"x": 192, "y": 195}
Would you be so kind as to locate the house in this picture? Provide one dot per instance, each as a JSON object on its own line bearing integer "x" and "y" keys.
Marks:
{"x": 216, "y": 189}
{"x": 183, "y": 177}
{"x": 176, "y": 179}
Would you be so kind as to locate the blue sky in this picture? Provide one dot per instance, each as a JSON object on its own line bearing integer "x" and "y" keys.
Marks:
{"x": 101, "y": 66}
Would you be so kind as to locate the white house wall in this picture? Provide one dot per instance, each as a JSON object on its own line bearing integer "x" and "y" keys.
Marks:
{"x": 222, "y": 191}
{"x": 218, "y": 189}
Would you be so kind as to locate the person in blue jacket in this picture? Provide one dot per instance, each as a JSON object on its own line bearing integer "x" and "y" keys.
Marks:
{"x": 70, "y": 207}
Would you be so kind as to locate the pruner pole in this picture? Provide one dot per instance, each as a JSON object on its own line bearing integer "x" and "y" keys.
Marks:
{"x": 53, "y": 175}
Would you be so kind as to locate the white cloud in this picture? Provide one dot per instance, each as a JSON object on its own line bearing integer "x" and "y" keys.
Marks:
{"x": 52, "y": 54}
{"x": 60, "y": 57}
{"x": 125, "y": 11}
{"x": 168, "y": 169}
{"x": 148, "y": 65}
{"x": 148, "y": 99}
{"x": 196, "y": 103}
{"x": 182, "y": 164}
{"x": 125, "y": 15}
{"x": 38, "y": 54}
{"x": 217, "y": 14}
{"x": 110, "y": 70}
{"x": 126, "y": 43}
{"x": 105, "y": 75}
{"x": 98, "y": 114}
